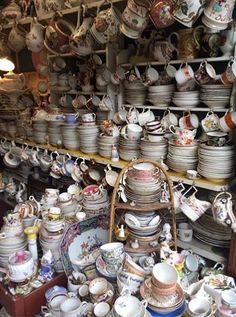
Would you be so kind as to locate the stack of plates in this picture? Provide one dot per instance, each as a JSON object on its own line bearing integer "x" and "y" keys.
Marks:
{"x": 128, "y": 149}
{"x": 186, "y": 98}
{"x": 208, "y": 231}
{"x": 160, "y": 96}
{"x": 40, "y": 131}
{"x": 70, "y": 136}
{"x": 135, "y": 93}
{"x": 88, "y": 138}
{"x": 216, "y": 96}
{"x": 216, "y": 163}
{"x": 10, "y": 245}
{"x": 54, "y": 133}
{"x": 182, "y": 158}
{"x": 153, "y": 150}
{"x": 143, "y": 191}
{"x": 105, "y": 143}
{"x": 101, "y": 116}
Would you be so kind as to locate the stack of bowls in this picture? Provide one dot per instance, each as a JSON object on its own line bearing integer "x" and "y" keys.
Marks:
{"x": 154, "y": 131}
{"x": 160, "y": 96}
{"x": 128, "y": 149}
{"x": 216, "y": 163}
{"x": 142, "y": 224}
{"x": 70, "y": 136}
{"x": 181, "y": 158}
{"x": 153, "y": 150}
{"x": 105, "y": 144}
{"x": 216, "y": 96}
{"x": 51, "y": 233}
{"x": 95, "y": 200}
{"x": 143, "y": 184}
{"x": 88, "y": 138}
{"x": 186, "y": 98}
{"x": 162, "y": 292}
{"x": 54, "y": 132}
{"x": 40, "y": 131}
{"x": 135, "y": 92}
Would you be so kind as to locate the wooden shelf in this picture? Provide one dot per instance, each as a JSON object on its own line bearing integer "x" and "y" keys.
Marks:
{"x": 196, "y": 109}
{"x": 179, "y": 61}
{"x": 127, "y": 206}
{"x": 73, "y": 92}
{"x": 68, "y": 55}
{"x": 175, "y": 177}
{"x": 203, "y": 249}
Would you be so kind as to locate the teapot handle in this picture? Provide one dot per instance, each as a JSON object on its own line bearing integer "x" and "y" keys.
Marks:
{"x": 218, "y": 266}
{"x": 221, "y": 194}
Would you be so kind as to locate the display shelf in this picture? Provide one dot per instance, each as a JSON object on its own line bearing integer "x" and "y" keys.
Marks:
{"x": 179, "y": 61}
{"x": 175, "y": 177}
{"x": 93, "y": 4}
{"x": 128, "y": 206}
{"x": 73, "y": 92}
{"x": 68, "y": 55}
{"x": 196, "y": 109}
{"x": 203, "y": 249}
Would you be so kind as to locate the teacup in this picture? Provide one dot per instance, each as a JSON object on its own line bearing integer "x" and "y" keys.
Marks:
{"x": 129, "y": 306}
{"x": 183, "y": 136}
{"x": 132, "y": 115}
{"x": 205, "y": 73}
{"x": 93, "y": 102}
{"x": 71, "y": 117}
{"x": 46, "y": 161}
{"x": 118, "y": 75}
{"x": 59, "y": 64}
{"x": 167, "y": 75}
{"x": 146, "y": 116}
{"x": 184, "y": 74}
{"x": 106, "y": 104}
{"x": 217, "y": 138}
{"x": 98, "y": 286}
{"x": 131, "y": 267}
{"x": 88, "y": 117}
{"x": 164, "y": 275}
{"x": 210, "y": 122}
{"x": 66, "y": 101}
{"x": 55, "y": 170}
{"x": 150, "y": 76}
{"x": 51, "y": 192}
{"x": 229, "y": 76}
{"x": 185, "y": 232}
{"x": 71, "y": 307}
{"x": 189, "y": 121}
{"x": 169, "y": 119}
{"x": 101, "y": 309}
{"x": 199, "y": 307}
{"x": 111, "y": 251}
{"x": 79, "y": 102}
{"x": 228, "y": 121}
{"x": 120, "y": 116}
{"x": 132, "y": 131}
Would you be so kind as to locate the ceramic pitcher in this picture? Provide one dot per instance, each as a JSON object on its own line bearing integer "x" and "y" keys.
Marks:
{"x": 35, "y": 38}
{"x": 187, "y": 11}
{"x": 222, "y": 209}
{"x": 16, "y": 38}
{"x": 228, "y": 40}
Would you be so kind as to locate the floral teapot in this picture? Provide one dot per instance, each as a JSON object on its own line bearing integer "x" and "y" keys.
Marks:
{"x": 222, "y": 210}
{"x": 229, "y": 40}
{"x": 12, "y": 81}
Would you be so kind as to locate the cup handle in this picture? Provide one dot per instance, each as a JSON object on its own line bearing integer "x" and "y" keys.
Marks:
{"x": 148, "y": 283}
{"x": 144, "y": 303}
{"x": 172, "y": 129}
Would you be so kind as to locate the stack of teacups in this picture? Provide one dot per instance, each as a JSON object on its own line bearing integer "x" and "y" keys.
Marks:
{"x": 70, "y": 136}
{"x": 67, "y": 204}
{"x": 113, "y": 255}
{"x": 154, "y": 131}
{"x": 95, "y": 200}
{"x": 40, "y": 131}
{"x": 88, "y": 138}
{"x": 226, "y": 303}
{"x": 50, "y": 198}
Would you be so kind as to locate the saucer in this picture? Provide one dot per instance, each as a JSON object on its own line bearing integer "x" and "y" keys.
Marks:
{"x": 102, "y": 270}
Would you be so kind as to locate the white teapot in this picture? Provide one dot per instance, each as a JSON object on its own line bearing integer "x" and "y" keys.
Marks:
{"x": 222, "y": 210}
{"x": 229, "y": 40}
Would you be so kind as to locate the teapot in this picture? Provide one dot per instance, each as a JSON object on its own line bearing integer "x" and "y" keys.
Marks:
{"x": 12, "y": 81}
{"x": 222, "y": 210}
{"x": 182, "y": 136}
{"x": 228, "y": 40}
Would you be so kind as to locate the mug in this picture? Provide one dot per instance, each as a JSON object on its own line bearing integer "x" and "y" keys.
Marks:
{"x": 185, "y": 232}
{"x": 228, "y": 121}
{"x": 205, "y": 73}
{"x": 184, "y": 74}
{"x": 229, "y": 76}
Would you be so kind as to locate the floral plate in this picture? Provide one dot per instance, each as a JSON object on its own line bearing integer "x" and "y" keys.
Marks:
{"x": 81, "y": 242}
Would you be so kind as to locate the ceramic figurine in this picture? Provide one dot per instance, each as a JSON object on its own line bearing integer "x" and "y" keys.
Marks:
{"x": 166, "y": 234}
{"x": 114, "y": 154}
{"x": 165, "y": 251}
{"x": 164, "y": 193}
{"x": 134, "y": 244}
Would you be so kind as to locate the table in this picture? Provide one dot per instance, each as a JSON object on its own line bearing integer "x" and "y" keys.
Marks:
{"x": 29, "y": 305}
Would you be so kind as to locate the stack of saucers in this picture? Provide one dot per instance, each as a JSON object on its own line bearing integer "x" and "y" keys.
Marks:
{"x": 135, "y": 93}
{"x": 70, "y": 136}
{"x": 54, "y": 132}
{"x": 88, "y": 135}
{"x": 216, "y": 163}
{"x": 153, "y": 150}
{"x": 143, "y": 184}
{"x": 40, "y": 131}
{"x": 160, "y": 96}
{"x": 216, "y": 96}
{"x": 162, "y": 292}
{"x": 128, "y": 149}
{"x": 105, "y": 144}
{"x": 142, "y": 224}
{"x": 181, "y": 158}
{"x": 95, "y": 200}
{"x": 186, "y": 98}
{"x": 50, "y": 236}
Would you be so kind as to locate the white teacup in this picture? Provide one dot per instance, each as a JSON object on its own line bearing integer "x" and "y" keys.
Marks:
{"x": 146, "y": 116}
{"x": 210, "y": 122}
{"x": 129, "y": 306}
{"x": 101, "y": 309}
{"x": 88, "y": 117}
{"x": 106, "y": 104}
{"x": 132, "y": 131}
{"x": 199, "y": 307}
{"x": 184, "y": 74}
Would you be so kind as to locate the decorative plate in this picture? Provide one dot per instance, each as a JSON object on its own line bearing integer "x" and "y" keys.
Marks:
{"x": 81, "y": 242}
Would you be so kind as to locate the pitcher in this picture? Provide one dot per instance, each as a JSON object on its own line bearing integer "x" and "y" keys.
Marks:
{"x": 16, "y": 38}
{"x": 222, "y": 209}
{"x": 187, "y": 11}
{"x": 228, "y": 40}
{"x": 188, "y": 42}
{"x": 35, "y": 38}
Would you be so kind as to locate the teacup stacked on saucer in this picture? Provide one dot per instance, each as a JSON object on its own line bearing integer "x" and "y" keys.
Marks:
{"x": 226, "y": 304}
{"x": 110, "y": 262}
{"x": 95, "y": 200}
{"x": 162, "y": 292}
{"x": 101, "y": 290}
{"x": 67, "y": 204}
